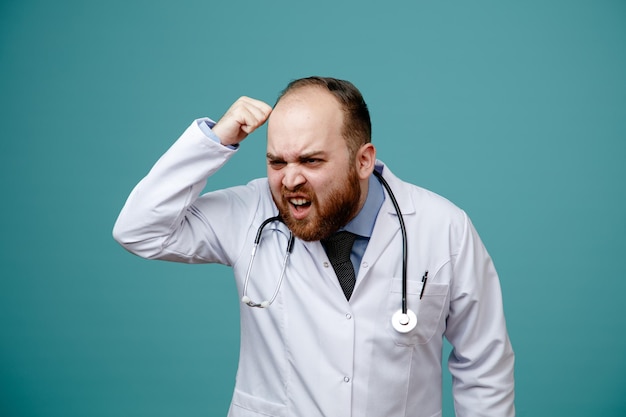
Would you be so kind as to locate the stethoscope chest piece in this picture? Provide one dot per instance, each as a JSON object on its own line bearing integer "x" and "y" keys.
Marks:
{"x": 404, "y": 323}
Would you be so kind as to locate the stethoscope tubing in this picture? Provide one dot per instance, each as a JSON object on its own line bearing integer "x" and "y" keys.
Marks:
{"x": 257, "y": 240}
{"x": 396, "y": 206}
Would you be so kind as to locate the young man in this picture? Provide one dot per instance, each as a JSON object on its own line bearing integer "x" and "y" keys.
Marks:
{"x": 335, "y": 340}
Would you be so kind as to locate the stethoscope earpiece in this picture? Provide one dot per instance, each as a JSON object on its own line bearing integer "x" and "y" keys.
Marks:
{"x": 404, "y": 323}
{"x": 246, "y": 300}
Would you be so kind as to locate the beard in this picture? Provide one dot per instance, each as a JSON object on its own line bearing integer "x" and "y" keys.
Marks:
{"x": 327, "y": 216}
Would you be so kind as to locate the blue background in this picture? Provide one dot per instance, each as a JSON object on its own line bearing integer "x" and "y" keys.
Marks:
{"x": 516, "y": 111}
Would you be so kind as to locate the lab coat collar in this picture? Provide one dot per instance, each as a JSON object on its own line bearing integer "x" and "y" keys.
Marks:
{"x": 399, "y": 188}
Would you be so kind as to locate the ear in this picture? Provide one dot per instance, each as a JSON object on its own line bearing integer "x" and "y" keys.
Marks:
{"x": 365, "y": 161}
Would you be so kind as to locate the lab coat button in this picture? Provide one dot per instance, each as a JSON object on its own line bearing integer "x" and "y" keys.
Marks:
{"x": 348, "y": 316}
{"x": 326, "y": 265}
{"x": 364, "y": 265}
{"x": 346, "y": 379}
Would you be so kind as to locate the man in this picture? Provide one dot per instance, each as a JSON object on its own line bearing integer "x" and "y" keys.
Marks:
{"x": 322, "y": 347}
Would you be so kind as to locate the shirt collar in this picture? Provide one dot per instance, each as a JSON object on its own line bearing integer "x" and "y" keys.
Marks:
{"x": 363, "y": 223}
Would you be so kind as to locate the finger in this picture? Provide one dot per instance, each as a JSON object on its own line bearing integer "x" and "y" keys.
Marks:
{"x": 250, "y": 113}
{"x": 258, "y": 109}
{"x": 241, "y": 119}
{"x": 250, "y": 118}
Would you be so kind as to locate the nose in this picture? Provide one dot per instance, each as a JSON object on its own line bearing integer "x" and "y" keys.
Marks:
{"x": 292, "y": 177}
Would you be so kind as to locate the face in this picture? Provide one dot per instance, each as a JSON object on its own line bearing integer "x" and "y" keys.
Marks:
{"x": 315, "y": 184}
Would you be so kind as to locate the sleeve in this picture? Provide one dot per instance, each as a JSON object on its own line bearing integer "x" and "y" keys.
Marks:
{"x": 482, "y": 359}
{"x": 164, "y": 217}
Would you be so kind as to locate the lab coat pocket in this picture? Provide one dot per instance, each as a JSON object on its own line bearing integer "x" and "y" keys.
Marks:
{"x": 428, "y": 309}
{"x": 246, "y": 405}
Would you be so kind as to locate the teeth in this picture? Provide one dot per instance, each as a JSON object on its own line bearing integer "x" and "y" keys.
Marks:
{"x": 298, "y": 201}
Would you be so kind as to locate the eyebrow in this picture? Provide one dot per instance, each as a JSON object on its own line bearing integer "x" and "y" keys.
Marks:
{"x": 302, "y": 157}
{"x": 272, "y": 157}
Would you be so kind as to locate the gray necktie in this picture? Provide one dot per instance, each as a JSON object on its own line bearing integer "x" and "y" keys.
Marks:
{"x": 338, "y": 248}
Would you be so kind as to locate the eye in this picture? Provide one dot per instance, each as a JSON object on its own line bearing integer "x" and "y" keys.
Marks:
{"x": 312, "y": 161}
{"x": 276, "y": 164}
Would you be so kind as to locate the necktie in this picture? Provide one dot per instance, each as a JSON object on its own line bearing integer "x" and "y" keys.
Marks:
{"x": 338, "y": 248}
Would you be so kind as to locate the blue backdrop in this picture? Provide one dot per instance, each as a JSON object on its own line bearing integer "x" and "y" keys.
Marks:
{"x": 516, "y": 111}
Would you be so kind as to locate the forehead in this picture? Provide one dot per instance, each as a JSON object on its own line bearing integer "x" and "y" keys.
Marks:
{"x": 307, "y": 117}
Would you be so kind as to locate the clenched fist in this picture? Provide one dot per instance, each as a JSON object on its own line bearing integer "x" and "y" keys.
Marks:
{"x": 242, "y": 118}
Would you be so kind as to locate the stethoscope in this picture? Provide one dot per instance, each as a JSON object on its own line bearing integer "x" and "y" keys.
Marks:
{"x": 404, "y": 320}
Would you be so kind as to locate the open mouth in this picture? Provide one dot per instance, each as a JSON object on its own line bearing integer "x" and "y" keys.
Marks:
{"x": 299, "y": 206}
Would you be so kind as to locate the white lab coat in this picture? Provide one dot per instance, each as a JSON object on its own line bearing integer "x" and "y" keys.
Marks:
{"x": 313, "y": 353}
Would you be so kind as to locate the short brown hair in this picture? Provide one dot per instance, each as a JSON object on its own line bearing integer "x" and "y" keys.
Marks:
{"x": 357, "y": 127}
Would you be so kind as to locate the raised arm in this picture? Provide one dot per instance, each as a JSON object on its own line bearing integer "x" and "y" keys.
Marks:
{"x": 159, "y": 219}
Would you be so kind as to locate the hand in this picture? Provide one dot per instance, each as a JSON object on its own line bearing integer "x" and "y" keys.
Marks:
{"x": 242, "y": 118}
